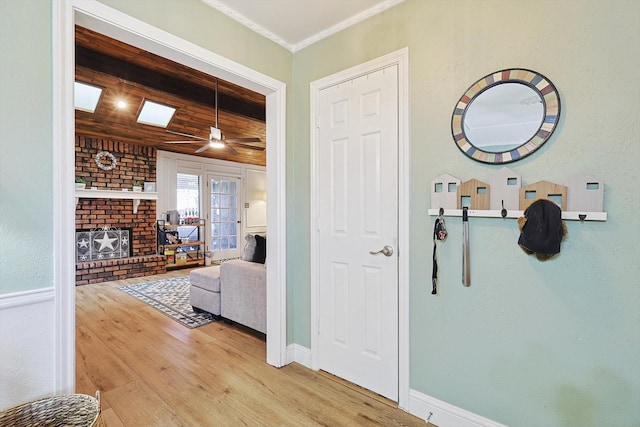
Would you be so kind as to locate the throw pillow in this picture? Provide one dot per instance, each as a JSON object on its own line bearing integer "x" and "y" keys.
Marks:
{"x": 260, "y": 254}
{"x": 249, "y": 247}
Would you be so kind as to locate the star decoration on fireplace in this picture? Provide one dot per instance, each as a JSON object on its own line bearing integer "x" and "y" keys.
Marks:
{"x": 102, "y": 243}
{"x": 106, "y": 241}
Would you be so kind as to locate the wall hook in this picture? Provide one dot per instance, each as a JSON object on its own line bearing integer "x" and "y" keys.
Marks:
{"x": 503, "y": 212}
{"x": 582, "y": 217}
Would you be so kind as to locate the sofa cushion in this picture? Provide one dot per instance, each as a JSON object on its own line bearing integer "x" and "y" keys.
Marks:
{"x": 207, "y": 278}
{"x": 249, "y": 247}
{"x": 260, "y": 253}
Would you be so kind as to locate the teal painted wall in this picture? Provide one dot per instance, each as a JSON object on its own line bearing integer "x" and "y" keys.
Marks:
{"x": 529, "y": 343}
{"x": 26, "y": 196}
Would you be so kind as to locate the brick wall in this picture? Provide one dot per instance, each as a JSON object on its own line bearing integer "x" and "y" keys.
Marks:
{"x": 117, "y": 269}
{"x": 134, "y": 163}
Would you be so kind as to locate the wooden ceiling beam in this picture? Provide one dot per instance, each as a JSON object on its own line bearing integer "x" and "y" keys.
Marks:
{"x": 145, "y": 76}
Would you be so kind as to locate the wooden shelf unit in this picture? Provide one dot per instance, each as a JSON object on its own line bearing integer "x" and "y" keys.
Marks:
{"x": 176, "y": 254}
{"x": 177, "y": 245}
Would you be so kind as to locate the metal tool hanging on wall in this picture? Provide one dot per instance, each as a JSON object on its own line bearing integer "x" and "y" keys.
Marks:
{"x": 466, "y": 268}
{"x": 439, "y": 233}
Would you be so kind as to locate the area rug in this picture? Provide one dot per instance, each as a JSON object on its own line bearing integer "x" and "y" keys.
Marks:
{"x": 171, "y": 297}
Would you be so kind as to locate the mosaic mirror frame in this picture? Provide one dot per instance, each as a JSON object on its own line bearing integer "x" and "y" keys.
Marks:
{"x": 542, "y": 86}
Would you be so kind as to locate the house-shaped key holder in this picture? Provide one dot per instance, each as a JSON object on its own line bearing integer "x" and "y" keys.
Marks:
{"x": 473, "y": 194}
{"x": 444, "y": 192}
{"x": 585, "y": 194}
{"x": 505, "y": 190}
{"x": 543, "y": 190}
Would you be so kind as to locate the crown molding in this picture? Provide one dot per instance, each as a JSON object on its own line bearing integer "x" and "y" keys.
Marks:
{"x": 365, "y": 14}
{"x": 294, "y": 47}
{"x": 221, "y": 7}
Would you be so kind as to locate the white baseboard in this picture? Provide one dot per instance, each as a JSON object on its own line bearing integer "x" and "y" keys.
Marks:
{"x": 443, "y": 414}
{"x": 299, "y": 354}
{"x": 421, "y": 405}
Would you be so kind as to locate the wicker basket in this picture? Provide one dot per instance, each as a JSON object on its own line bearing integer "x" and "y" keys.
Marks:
{"x": 65, "y": 410}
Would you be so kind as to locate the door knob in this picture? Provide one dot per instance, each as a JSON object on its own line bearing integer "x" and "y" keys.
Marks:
{"x": 386, "y": 251}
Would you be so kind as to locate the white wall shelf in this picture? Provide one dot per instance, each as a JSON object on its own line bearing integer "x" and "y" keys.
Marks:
{"x": 136, "y": 196}
{"x": 570, "y": 216}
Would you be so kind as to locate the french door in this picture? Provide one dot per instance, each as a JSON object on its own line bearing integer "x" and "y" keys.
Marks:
{"x": 223, "y": 216}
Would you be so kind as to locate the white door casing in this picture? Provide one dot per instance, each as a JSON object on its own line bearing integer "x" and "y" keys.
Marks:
{"x": 358, "y": 190}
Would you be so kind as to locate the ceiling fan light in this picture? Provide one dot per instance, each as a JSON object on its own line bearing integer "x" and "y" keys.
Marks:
{"x": 215, "y": 133}
{"x": 216, "y": 144}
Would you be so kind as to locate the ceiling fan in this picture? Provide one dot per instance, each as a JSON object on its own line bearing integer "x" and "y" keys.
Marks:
{"x": 216, "y": 140}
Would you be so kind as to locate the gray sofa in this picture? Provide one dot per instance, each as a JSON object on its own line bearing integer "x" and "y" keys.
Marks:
{"x": 235, "y": 290}
{"x": 243, "y": 293}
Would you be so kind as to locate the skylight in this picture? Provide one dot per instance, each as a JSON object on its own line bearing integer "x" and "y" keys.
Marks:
{"x": 86, "y": 97}
{"x": 155, "y": 114}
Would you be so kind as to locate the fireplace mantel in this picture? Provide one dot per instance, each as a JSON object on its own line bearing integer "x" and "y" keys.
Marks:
{"x": 136, "y": 196}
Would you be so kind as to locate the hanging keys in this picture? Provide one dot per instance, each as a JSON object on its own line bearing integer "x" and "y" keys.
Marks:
{"x": 439, "y": 233}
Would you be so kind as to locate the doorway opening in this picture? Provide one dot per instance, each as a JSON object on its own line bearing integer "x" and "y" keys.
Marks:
{"x": 120, "y": 26}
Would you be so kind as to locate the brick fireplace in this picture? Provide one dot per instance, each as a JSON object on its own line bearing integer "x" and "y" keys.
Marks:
{"x": 133, "y": 163}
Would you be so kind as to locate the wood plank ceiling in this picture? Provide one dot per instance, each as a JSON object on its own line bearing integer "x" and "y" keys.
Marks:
{"x": 134, "y": 75}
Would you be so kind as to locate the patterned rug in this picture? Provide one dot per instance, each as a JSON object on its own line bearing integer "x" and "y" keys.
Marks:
{"x": 171, "y": 297}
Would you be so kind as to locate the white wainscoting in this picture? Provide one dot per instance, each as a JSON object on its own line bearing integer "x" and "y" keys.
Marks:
{"x": 422, "y": 406}
{"x": 27, "y": 347}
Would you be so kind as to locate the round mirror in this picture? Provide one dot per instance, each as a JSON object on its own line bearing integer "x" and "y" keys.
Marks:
{"x": 505, "y": 116}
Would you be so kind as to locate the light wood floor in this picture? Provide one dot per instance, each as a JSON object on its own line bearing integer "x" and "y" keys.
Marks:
{"x": 152, "y": 371}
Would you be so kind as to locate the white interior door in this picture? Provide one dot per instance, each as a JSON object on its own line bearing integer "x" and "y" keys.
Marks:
{"x": 357, "y": 218}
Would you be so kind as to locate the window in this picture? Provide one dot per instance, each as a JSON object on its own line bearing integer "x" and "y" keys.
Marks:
{"x": 224, "y": 214}
{"x": 86, "y": 97}
{"x": 155, "y": 114}
{"x": 188, "y": 197}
